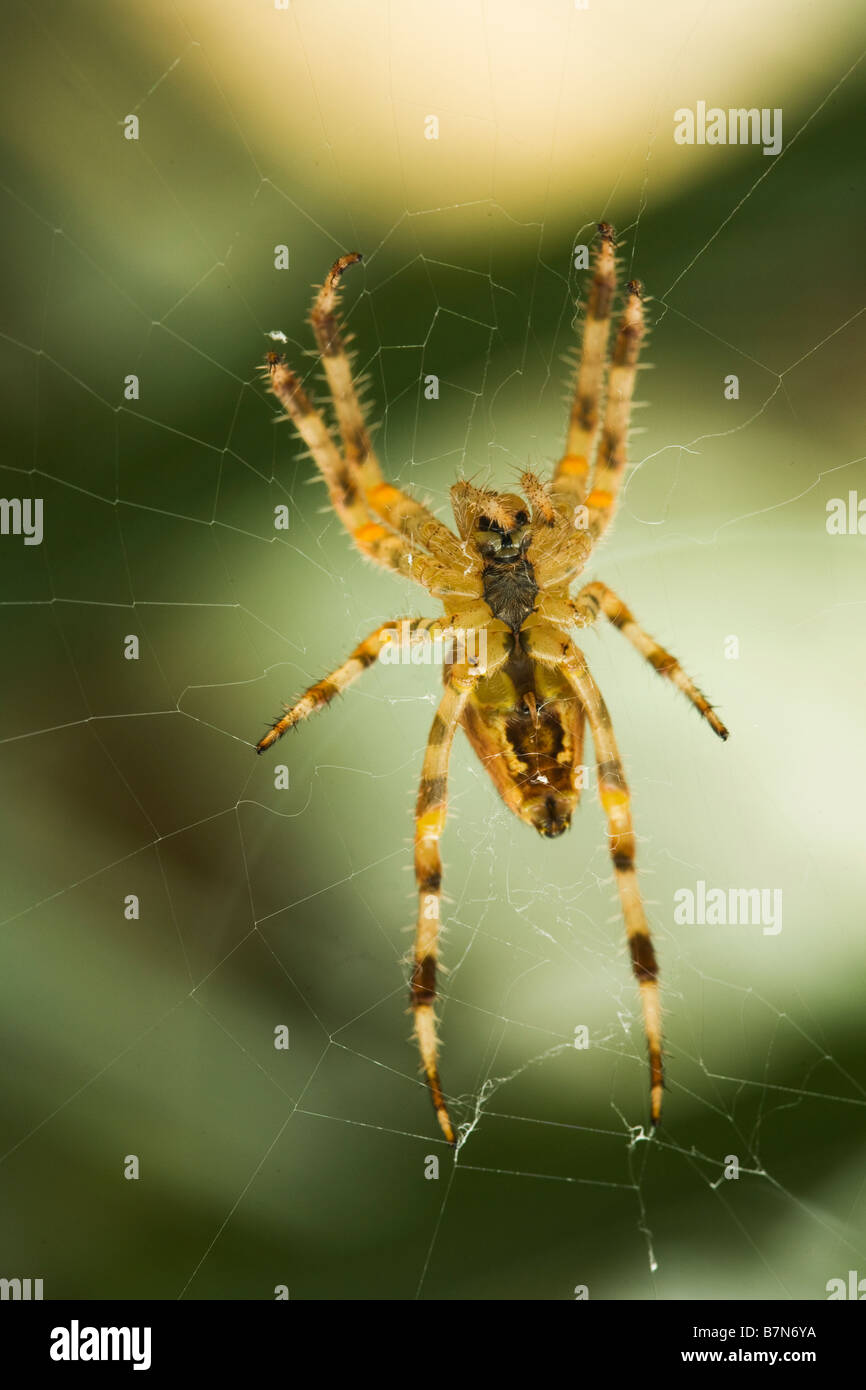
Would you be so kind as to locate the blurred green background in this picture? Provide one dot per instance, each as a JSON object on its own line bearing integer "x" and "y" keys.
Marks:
{"x": 263, "y": 906}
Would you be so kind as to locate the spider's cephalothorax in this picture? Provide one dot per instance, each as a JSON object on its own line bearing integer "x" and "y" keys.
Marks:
{"x": 508, "y": 579}
{"x": 520, "y": 688}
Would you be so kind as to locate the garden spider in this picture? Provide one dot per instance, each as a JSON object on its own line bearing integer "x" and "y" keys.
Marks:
{"x": 504, "y": 578}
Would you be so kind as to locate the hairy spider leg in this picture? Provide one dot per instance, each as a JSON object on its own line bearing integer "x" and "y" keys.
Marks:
{"x": 365, "y": 655}
{"x": 610, "y": 463}
{"x": 571, "y": 476}
{"x": 353, "y": 478}
{"x": 554, "y": 648}
{"x": 362, "y": 473}
{"x": 595, "y": 599}
{"x": 430, "y": 813}
{"x": 371, "y": 537}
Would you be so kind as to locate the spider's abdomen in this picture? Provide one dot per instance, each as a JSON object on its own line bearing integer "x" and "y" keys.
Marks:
{"x": 527, "y": 729}
{"x": 510, "y": 589}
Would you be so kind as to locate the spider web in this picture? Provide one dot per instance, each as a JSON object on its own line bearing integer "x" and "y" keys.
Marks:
{"x": 266, "y": 905}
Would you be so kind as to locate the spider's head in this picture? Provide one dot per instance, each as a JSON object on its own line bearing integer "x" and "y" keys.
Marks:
{"x": 503, "y": 541}
{"x": 498, "y": 523}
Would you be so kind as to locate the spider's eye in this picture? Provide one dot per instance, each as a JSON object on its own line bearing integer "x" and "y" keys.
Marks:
{"x": 521, "y": 519}
{"x": 485, "y": 524}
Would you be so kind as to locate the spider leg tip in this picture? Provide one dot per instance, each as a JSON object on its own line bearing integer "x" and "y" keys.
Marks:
{"x": 656, "y": 1095}
{"x": 447, "y": 1130}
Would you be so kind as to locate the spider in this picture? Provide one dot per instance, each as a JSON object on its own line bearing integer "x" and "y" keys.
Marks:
{"x": 505, "y": 578}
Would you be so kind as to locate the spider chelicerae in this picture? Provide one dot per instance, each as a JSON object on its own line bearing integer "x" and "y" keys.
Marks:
{"x": 515, "y": 681}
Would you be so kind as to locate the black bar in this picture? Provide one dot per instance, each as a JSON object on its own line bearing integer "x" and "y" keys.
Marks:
{"x": 238, "y": 1338}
